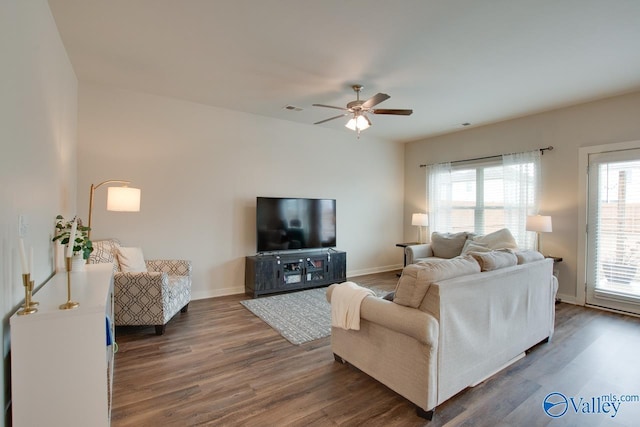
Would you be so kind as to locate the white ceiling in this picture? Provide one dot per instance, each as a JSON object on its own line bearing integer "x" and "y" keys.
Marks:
{"x": 451, "y": 61}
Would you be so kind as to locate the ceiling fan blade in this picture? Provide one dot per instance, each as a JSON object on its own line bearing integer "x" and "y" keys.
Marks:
{"x": 392, "y": 111}
{"x": 375, "y": 100}
{"x": 332, "y": 118}
{"x": 330, "y": 106}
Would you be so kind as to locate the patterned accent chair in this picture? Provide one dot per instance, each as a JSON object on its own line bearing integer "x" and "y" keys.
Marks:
{"x": 146, "y": 298}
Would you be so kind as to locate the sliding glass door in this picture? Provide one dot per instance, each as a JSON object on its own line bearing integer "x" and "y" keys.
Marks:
{"x": 613, "y": 230}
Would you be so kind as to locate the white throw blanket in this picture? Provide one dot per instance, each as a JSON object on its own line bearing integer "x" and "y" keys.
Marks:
{"x": 345, "y": 305}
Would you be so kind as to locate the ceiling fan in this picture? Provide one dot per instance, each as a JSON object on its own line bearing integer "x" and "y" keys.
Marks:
{"x": 359, "y": 110}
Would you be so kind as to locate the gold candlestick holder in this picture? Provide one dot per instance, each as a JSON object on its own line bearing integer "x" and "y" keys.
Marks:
{"x": 32, "y": 303}
{"x": 27, "y": 308}
{"x": 31, "y": 286}
{"x": 69, "y": 304}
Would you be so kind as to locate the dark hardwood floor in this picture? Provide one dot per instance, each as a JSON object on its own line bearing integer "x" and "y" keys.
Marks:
{"x": 219, "y": 364}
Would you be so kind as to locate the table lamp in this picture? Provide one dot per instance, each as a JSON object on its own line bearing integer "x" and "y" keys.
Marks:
{"x": 420, "y": 220}
{"x": 539, "y": 224}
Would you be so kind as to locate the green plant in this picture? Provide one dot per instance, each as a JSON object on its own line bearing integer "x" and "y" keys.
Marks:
{"x": 82, "y": 243}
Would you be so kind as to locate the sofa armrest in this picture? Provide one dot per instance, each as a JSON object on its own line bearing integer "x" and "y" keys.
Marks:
{"x": 141, "y": 282}
{"x": 414, "y": 252}
{"x": 135, "y": 293}
{"x": 174, "y": 267}
{"x": 406, "y": 320}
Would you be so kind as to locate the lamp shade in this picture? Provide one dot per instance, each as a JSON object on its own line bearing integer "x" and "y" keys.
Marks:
{"x": 420, "y": 219}
{"x": 358, "y": 123}
{"x": 539, "y": 223}
{"x": 123, "y": 199}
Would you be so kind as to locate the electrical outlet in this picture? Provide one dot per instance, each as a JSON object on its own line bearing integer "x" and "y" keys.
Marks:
{"x": 23, "y": 226}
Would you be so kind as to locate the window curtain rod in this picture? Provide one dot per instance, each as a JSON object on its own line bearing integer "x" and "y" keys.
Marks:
{"x": 542, "y": 150}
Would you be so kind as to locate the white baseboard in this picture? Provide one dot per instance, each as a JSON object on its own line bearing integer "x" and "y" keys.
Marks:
{"x": 569, "y": 299}
{"x": 212, "y": 293}
{"x": 356, "y": 273}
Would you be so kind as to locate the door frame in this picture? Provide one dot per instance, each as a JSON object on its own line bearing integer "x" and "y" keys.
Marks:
{"x": 583, "y": 197}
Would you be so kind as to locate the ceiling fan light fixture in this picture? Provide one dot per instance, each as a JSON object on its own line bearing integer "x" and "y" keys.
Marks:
{"x": 351, "y": 124}
{"x": 358, "y": 123}
{"x": 363, "y": 122}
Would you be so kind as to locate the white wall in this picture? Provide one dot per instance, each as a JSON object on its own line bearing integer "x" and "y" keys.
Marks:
{"x": 38, "y": 121}
{"x": 601, "y": 122}
{"x": 200, "y": 169}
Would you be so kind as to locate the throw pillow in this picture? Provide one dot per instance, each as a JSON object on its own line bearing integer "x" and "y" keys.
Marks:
{"x": 471, "y": 246}
{"x": 105, "y": 251}
{"x": 501, "y": 239}
{"x": 409, "y": 292}
{"x": 495, "y": 259}
{"x": 447, "y": 245}
{"x": 416, "y": 278}
{"x": 528, "y": 255}
{"x": 131, "y": 260}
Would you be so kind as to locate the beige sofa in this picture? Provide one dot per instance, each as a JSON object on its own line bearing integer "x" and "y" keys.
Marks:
{"x": 450, "y": 245}
{"x": 463, "y": 330}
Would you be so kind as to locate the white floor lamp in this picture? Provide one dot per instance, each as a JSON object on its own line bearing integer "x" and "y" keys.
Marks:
{"x": 119, "y": 199}
{"x": 420, "y": 220}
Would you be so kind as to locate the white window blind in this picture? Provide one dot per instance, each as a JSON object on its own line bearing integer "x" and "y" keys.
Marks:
{"x": 485, "y": 196}
{"x": 477, "y": 199}
{"x": 614, "y": 224}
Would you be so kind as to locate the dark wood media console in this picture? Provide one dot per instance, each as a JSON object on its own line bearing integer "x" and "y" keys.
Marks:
{"x": 287, "y": 271}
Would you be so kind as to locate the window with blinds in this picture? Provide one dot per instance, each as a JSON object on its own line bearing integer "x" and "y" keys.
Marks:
{"x": 485, "y": 196}
{"x": 614, "y": 224}
{"x": 477, "y": 199}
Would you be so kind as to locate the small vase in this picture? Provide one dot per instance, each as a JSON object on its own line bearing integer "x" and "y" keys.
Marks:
{"x": 78, "y": 263}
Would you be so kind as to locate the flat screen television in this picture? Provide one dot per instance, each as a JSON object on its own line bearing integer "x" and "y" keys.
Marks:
{"x": 295, "y": 223}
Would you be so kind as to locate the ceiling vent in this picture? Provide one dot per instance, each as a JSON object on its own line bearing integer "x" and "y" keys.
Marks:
{"x": 292, "y": 108}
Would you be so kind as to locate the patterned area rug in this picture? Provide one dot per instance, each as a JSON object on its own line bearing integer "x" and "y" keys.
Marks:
{"x": 298, "y": 316}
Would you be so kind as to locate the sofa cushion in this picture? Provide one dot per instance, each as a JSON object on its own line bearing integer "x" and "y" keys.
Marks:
{"x": 131, "y": 260}
{"x": 416, "y": 278}
{"x": 447, "y": 245}
{"x": 501, "y": 239}
{"x": 494, "y": 260}
{"x": 527, "y": 255}
{"x": 472, "y": 246}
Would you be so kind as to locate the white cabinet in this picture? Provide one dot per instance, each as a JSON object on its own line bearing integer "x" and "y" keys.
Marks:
{"x": 61, "y": 365}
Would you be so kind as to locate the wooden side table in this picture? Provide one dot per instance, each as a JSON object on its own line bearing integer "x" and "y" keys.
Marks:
{"x": 556, "y": 272}
{"x": 403, "y": 246}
